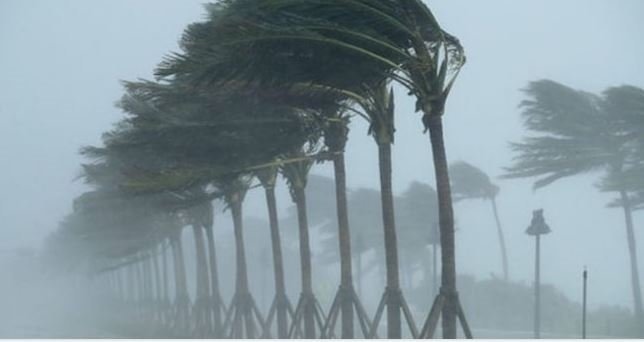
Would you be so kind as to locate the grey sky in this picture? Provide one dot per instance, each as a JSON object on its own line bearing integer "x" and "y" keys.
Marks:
{"x": 60, "y": 63}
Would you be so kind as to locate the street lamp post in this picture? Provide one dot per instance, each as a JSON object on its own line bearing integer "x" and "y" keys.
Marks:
{"x": 537, "y": 228}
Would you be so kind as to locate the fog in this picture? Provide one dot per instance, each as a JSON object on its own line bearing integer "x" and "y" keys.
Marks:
{"x": 61, "y": 63}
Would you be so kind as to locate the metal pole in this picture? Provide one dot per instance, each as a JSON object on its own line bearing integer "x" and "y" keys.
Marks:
{"x": 537, "y": 290}
{"x": 583, "y": 318}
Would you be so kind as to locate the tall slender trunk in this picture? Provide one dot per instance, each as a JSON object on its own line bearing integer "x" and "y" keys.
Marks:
{"x": 157, "y": 284}
{"x": 214, "y": 279}
{"x": 344, "y": 240}
{"x": 180, "y": 267}
{"x": 164, "y": 287}
{"x": 305, "y": 259}
{"x": 149, "y": 292}
{"x": 632, "y": 253}
{"x": 446, "y": 225}
{"x": 131, "y": 285}
{"x": 391, "y": 244}
{"x": 164, "y": 272}
{"x": 157, "y": 275}
{"x": 242, "y": 269}
{"x": 139, "y": 283}
{"x": 278, "y": 263}
{"x": 119, "y": 283}
{"x": 181, "y": 288}
{"x": 499, "y": 231}
{"x": 240, "y": 252}
{"x": 202, "y": 264}
{"x": 203, "y": 285}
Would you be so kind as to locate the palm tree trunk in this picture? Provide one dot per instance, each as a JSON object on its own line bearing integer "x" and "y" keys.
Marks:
{"x": 499, "y": 230}
{"x": 140, "y": 284}
{"x": 241, "y": 279}
{"x": 203, "y": 284}
{"x": 245, "y": 308}
{"x": 157, "y": 284}
{"x": 181, "y": 287}
{"x": 214, "y": 279}
{"x": 391, "y": 244}
{"x": 149, "y": 294}
{"x": 278, "y": 263}
{"x": 632, "y": 252}
{"x": 164, "y": 287}
{"x": 446, "y": 224}
{"x": 131, "y": 288}
{"x": 344, "y": 238}
{"x": 305, "y": 259}
{"x": 119, "y": 282}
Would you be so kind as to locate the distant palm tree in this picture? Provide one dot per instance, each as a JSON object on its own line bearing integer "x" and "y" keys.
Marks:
{"x": 469, "y": 182}
{"x": 418, "y": 228}
{"x": 581, "y": 132}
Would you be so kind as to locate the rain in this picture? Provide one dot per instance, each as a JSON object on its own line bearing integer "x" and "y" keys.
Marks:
{"x": 321, "y": 169}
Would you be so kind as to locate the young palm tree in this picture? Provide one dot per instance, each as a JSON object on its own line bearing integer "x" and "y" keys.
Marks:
{"x": 469, "y": 182}
{"x": 418, "y": 227}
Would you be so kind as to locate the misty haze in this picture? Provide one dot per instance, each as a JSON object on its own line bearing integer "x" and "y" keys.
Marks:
{"x": 321, "y": 169}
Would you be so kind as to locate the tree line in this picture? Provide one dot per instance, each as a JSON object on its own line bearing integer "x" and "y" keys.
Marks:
{"x": 265, "y": 88}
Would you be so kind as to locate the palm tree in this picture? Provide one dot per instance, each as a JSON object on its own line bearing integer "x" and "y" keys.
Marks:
{"x": 580, "y": 132}
{"x": 469, "y": 182}
{"x": 400, "y": 40}
{"x": 366, "y": 219}
{"x": 308, "y": 309}
{"x": 418, "y": 227}
{"x": 198, "y": 217}
{"x": 122, "y": 226}
{"x": 281, "y": 305}
{"x": 243, "y": 309}
{"x": 323, "y": 104}
{"x": 625, "y": 105}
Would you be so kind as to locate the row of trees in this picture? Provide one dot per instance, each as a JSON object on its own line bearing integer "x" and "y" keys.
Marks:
{"x": 261, "y": 88}
{"x": 575, "y": 132}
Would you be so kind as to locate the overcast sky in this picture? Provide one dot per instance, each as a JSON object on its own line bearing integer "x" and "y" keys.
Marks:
{"x": 61, "y": 62}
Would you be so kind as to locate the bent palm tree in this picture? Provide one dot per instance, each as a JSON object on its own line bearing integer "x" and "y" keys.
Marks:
{"x": 397, "y": 39}
{"x": 308, "y": 308}
{"x": 281, "y": 306}
{"x": 579, "y": 132}
{"x": 243, "y": 310}
{"x": 469, "y": 182}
